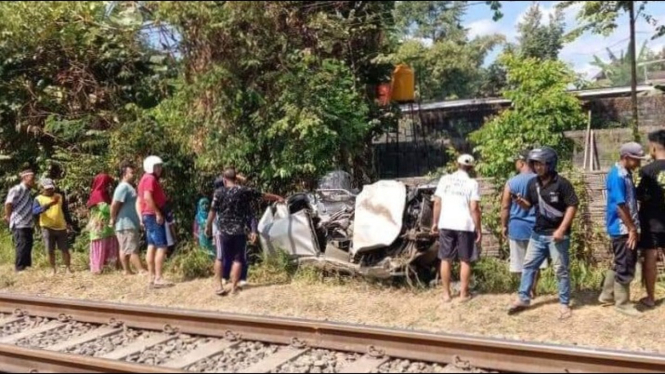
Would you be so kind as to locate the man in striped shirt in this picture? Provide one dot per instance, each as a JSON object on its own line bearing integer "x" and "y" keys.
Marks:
{"x": 18, "y": 213}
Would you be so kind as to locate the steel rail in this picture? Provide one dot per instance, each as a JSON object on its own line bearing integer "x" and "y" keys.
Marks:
{"x": 495, "y": 354}
{"x": 15, "y": 359}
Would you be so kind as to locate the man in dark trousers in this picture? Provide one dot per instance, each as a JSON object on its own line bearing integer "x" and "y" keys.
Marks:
{"x": 651, "y": 195}
{"x": 18, "y": 214}
{"x": 623, "y": 228}
{"x": 556, "y": 203}
{"x": 231, "y": 206}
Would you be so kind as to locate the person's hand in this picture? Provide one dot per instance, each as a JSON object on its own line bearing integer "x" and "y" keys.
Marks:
{"x": 558, "y": 236}
{"x": 70, "y": 229}
{"x": 479, "y": 236}
{"x": 56, "y": 200}
{"x": 435, "y": 229}
{"x": 160, "y": 219}
{"x": 281, "y": 200}
{"x": 504, "y": 232}
{"x": 519, "y": 200}
{"x": 111, "y": 223}
{"x": 633, "y": 238}
{"x": 252, "y": 238}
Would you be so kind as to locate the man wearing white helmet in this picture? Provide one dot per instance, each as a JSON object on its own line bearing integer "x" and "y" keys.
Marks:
{"x": 457, "y": 222}
{"x": 152, "y": 204}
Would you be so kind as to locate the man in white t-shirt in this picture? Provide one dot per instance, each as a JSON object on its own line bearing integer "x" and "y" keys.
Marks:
{"x": 457, "y": 221}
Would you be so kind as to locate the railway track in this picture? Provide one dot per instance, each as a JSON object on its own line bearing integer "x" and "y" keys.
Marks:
{"x": 54, "y": 335}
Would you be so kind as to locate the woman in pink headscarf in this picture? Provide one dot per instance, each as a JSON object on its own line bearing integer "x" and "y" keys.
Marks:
{"x": 103, "y": 243}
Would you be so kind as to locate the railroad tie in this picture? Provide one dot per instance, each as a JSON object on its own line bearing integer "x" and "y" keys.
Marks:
{"x": 138, "y": 346}
{"x": 10, "y": 320}
{"x": 12, "y": 339}
{"x": 275, "y": 361}
{"x": 365, "y": 364}
{"x": 200, "y": 353}
{"x": 99, "y": 333}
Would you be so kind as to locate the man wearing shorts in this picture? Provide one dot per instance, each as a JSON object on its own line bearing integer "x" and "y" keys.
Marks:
{"x": 231, "y": 206}
{"x": 457, "y": 220}
{"x": 651, "y": 195}
{"x": 517, "y": 223}
{"x": 125, "y": 220}
{"x": 153, "y": 209}
{"x": 623, "y": 228}
{"x": 55, "y": 222}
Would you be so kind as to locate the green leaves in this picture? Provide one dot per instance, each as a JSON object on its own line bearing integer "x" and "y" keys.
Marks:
{"x": 542, "y": 110}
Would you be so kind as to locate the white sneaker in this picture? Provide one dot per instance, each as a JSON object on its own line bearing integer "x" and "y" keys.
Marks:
{"x": 224, "y": 282}
{"x": 243, "y": 284}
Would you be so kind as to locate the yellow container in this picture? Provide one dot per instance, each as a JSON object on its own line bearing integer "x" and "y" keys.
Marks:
{"x": 403, "y": 84}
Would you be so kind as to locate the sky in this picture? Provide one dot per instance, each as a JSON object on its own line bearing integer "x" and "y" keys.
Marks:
{"x": 578, "y": 53}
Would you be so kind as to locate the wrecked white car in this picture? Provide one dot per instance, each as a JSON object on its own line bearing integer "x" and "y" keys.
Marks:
{"x": 381, "y": 232}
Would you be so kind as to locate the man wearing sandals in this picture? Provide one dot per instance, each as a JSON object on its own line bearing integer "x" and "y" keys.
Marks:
{"x": 651, "y": 195}
{"x": 231, "y": 205}
{"x": 457, "y": 222}
{"x": 623, "y": 228}
{"x": 556, "y": 203}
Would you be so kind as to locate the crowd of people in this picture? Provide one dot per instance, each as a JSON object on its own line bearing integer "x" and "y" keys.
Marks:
{"x": 538, "y": 209}
{"x": 116, "y": 218}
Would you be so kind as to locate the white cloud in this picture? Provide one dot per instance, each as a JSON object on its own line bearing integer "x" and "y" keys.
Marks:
{"x": 588, "y": 70}
{"x": 484, "y": 27}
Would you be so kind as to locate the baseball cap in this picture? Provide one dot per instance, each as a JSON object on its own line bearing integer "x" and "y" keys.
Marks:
{"x": 633, "y": 150}
{"x": 48, "y": 184}
{"x": 466, "y": 160}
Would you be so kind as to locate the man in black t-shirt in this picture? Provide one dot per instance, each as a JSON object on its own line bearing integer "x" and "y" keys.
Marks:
{"x": 651, "y": 195}
{"x": 556, "y": 203}
{"x": 231, "y": 205}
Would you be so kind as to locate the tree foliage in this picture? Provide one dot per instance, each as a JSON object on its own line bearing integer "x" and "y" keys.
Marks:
{"x": 449, "y": 67}
{"x": 542, "y": 109}
{"x": 67, "y": 72}
{"x": 616, "y": 69}
{"x": 600, "y": 17}
{"x": 540, "y": 40}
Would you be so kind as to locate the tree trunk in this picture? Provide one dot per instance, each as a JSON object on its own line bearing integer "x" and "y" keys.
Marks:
{"x": 633, "y": 72}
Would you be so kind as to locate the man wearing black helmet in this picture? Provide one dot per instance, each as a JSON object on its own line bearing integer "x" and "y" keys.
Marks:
{"x": 556, "y": 203}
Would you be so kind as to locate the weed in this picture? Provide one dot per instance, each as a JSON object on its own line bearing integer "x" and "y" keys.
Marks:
{"x": 276, "y": 268}
{"x": 190, "y": 263}
{"x": 492, "y": 275}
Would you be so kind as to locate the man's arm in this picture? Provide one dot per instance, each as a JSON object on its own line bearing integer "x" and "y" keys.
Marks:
{"x": 9, "y": 208}
{"x": 436, "y": 214}
{"x": 115, "y": 209}
{"x": 571, "y": 211}
{"x": 476, "y": 214}
{"x": 137, "y": 206}
{"x": 8, "y": 211}
{"x": 38, "y": 209}
{"x": 571, "y": 201}
{"x": 506, "y": 203}
{"x": 272, "y": 197}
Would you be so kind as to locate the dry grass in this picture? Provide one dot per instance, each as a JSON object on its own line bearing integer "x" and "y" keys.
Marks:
{"x": 355, "y": 302}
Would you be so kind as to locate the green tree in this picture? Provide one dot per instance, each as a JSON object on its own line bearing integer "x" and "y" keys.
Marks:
{"x": 542, "y": 109}
{"x": 617, "y": 70}
{"x": 449, "y": 68}
{"x": 282, "y": 90}
{"x": 540, "y": 40}
{"x": 67, "y": 72}
{"x": 435, "y": 20}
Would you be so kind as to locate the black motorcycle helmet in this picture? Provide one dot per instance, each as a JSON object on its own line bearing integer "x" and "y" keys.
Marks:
{"x": 545, "y": 155}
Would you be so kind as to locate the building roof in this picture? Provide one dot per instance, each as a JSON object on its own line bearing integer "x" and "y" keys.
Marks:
{"x": 584, "y": 94}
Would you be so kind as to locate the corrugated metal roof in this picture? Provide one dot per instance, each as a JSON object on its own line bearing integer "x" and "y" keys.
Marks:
{"x": 447, "y": 104}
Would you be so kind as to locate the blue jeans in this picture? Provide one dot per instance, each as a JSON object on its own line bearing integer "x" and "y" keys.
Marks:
{"x": 539, "y": 247}
{"x": 155, "y": 233}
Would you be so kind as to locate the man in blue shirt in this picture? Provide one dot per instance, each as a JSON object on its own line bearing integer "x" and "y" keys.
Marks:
{"x": 622, "y": 227}
{"x": 517, "y": 223}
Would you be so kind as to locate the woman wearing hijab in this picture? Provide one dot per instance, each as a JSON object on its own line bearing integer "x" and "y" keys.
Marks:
{"x": 103, "y": 243}
{"x": 200, "y": 224}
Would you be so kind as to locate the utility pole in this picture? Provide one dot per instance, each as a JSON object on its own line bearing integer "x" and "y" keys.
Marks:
{"x": 633, "y": 71}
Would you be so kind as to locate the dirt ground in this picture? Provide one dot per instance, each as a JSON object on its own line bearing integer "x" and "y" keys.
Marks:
{"x": 485, "y": 315}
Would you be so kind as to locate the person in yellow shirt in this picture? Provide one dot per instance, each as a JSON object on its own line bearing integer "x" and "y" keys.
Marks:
{"x": 55, "y": 222}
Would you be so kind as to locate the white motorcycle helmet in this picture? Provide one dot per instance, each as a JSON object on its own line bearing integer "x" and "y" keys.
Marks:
{"x": 150, "y": 162}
